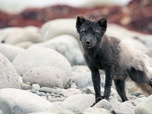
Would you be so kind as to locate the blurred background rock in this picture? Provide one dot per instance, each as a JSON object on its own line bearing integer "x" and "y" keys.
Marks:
{"x": 133, "y": 14}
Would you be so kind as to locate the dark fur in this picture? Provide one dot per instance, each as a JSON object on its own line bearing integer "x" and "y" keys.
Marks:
{"x": 102, "y": 52}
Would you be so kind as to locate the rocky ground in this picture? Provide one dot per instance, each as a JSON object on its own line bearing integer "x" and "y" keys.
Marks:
{"x": 43, "y": 72}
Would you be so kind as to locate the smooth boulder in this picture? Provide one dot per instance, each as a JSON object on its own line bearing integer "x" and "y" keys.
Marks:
{"x": 66, "y": 45}
{"x": 144, "y": 107}
{"x": 40, "y": 56}
{"x": 15, "y": 101}
{"x": 79, "y": 103}
{"x": 15, "y": 35}
{"x": 9, "y": 77}
{"x": 46, "y": 76}
{"x": 10, "y": 51}
{"x": 58, "y": 27}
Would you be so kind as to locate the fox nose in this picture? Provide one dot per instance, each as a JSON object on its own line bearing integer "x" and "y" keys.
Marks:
{"x": 87, "y": 42}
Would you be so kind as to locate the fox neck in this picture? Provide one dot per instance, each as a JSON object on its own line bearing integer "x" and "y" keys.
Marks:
{"x": 91, "y": 51}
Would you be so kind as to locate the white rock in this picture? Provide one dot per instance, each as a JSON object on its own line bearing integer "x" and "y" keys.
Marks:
{"x": 35, "y": 88}
{"x": 144, "y": 107}
{"x": 146, "y": 39}
{"x": 58, "y": 27}
{"x": 14, "y": 101}
{"x": 25, "y": 44}
{"x": 81, "y": 76}
{"x": 15, "y": 35}
{"x": 103, "y": 104}
{"x": 46, "y": 76}
{"x": 38, "y": 56}
{"x": 93, "y": 110}
{"x": 70, "y": 92}
{"x": 42, "y": 113}
{"x": 57, "y": 109}
{"x": 81, "y": 79}
{"x": 149, "y": 53}
{"x": 83, "y": 73}
{"x": 66, "y": 45}
{"x": 8, "y": 75}
{"x": 1, "y": 112}
{"x": 10, "y": 51}
{"x": 137, "y": 39}
{"x": 79, "y": 103}
{"x": 121, "y": 108}
{"x": 138, "y": 45}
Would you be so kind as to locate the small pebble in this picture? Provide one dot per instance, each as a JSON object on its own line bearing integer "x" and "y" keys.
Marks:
{"x": 25, "y": 86}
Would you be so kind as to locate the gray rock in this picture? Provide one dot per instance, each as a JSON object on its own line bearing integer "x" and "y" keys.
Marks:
{"x": 14, "y": 101}
{"x": 10, "y": 51}
{"x": 89, "y": 90}
{"x": 66, "y": 45}
{"x": 48, "y": 90}
{"x": 46, "y": 76}
{"x": 54, "y": 94}
{"x": 25, "y": 86}
{"x": 8, "y": 77}
{"x": 38, "y": 56}
{"x": 52, "y": 99}
{"x": 144, "y": 107}
{"x": 79, "y": 103}
{"x": 40, "y": 93}
{"x": 58, "y": 94}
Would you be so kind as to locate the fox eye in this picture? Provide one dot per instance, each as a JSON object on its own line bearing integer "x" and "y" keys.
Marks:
{"x": 83, "y": 31}
{"x": 97, "y": 33}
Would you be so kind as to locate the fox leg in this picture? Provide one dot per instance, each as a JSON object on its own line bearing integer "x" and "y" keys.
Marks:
{"x": 120, "y": 87}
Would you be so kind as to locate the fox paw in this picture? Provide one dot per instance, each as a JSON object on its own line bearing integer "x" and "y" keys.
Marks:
{"x": 98, "y": 99}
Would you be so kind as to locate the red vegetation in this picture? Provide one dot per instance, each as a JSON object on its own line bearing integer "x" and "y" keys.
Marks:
{"x": 135, "y": 16}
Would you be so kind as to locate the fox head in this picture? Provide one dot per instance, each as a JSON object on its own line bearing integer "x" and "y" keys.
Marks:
{"x": 90, "y": 32}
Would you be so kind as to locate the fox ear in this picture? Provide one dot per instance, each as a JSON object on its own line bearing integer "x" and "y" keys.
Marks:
{"x": 103, "y": 23}
{"x": 79, "y": 21}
